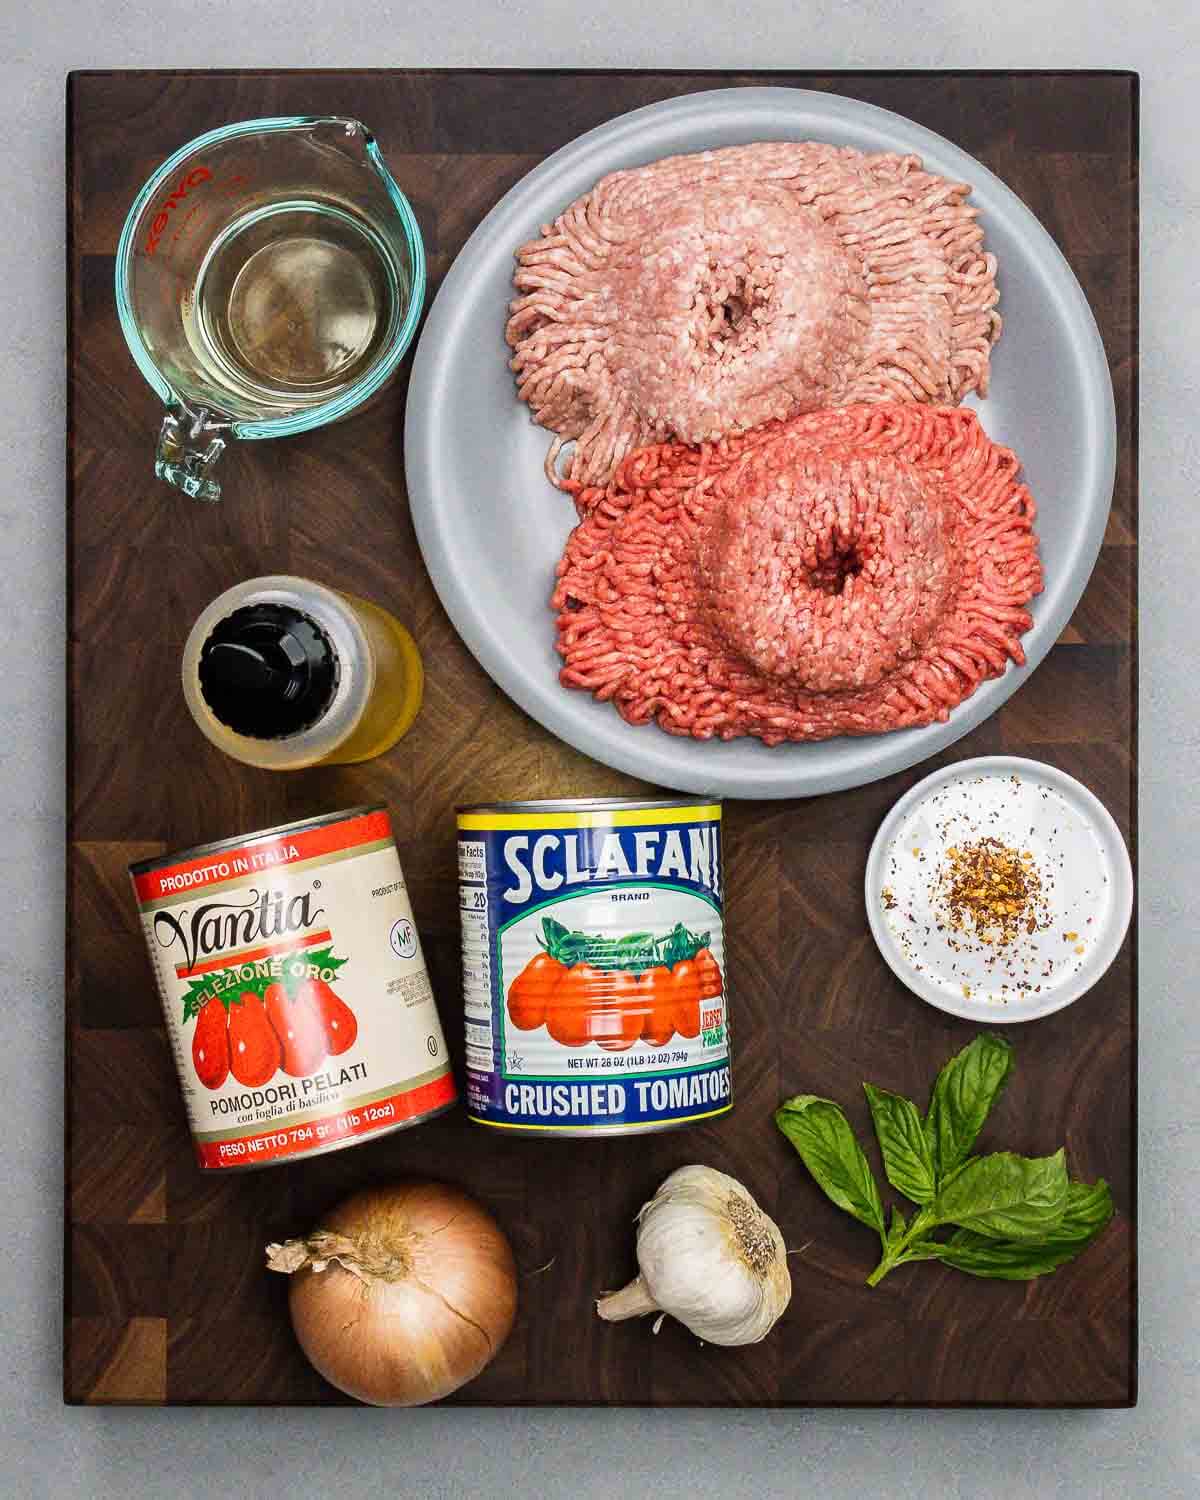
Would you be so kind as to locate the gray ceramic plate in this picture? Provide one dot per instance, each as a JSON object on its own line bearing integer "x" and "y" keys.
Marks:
{"x": 492, "y": 528}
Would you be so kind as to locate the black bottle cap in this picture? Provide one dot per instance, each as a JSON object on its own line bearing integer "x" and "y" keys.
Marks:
{"x": 267, "y": 671}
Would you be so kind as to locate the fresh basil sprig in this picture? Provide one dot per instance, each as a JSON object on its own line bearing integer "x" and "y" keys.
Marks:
{"x": 1013, "y": 1217}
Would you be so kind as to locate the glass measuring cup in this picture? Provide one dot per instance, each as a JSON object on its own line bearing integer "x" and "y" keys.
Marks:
{"x": 270, "y": 276}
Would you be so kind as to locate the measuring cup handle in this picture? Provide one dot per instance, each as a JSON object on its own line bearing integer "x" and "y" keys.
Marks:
{"x": 188, "y": 449}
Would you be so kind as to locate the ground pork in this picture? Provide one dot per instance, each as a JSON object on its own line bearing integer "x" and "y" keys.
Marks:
{"x": 705, "y": 295}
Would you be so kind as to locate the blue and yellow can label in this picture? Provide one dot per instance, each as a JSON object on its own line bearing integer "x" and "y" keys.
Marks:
{"x": 593, "y": 950}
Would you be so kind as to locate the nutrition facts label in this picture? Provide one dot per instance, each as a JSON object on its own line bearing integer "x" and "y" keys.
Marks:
{"x": 476, "y": 953}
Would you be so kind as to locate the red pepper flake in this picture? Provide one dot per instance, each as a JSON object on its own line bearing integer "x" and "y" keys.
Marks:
{"x": 992, "y": 891}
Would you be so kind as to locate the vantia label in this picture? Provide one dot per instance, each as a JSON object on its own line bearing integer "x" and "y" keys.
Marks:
{"x": 298, "y": 1022}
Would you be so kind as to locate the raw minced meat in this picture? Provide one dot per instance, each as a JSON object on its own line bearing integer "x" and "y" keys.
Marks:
{"x": 848, "y": 571}
{"x": 704, "y": 295}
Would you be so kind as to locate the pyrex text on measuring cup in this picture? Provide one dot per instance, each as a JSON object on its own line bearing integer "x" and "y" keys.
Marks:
{"x": 270, "y": 276}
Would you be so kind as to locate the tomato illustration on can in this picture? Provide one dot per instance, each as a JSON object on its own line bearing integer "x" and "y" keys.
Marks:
{"x": 624, "y": 992}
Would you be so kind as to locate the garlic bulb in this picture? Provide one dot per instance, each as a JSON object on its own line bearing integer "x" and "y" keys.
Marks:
{"x": 708, "y": 1256}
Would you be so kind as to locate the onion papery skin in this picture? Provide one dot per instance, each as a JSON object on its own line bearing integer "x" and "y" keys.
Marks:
{"x": 415, "y": 1338}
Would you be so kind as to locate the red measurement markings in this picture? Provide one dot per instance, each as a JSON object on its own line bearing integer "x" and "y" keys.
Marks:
{"x": 194, "y": 179}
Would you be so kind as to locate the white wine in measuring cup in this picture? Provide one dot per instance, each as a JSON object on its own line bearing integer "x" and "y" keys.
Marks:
{"x": 294, "y": 304}
{"x": 270, "y": 276}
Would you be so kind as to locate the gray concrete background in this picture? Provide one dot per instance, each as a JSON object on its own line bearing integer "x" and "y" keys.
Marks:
{"x": 46, "y": 1449}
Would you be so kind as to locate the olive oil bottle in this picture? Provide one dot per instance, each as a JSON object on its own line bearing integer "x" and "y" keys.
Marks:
{"x": 281, "y": 672}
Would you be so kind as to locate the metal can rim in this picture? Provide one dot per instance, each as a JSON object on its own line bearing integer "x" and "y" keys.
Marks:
{"x": 161, "y": 861}
{"x": 588, "y": 804}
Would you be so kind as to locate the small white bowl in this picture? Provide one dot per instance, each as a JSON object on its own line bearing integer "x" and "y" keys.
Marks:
{"x": 1078, "y": 851}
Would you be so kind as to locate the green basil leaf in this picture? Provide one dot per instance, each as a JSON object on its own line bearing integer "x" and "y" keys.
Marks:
{"x": 962, "y": 1098}
{"x": 1005, "y": 1196}
{"x": 822, "y": 1135}
{"x": 1089, "y": 1209}
{"x": 921, "y": 1250}
{"x": 897, "y": 1227}
{"x": 906, "y": 1155}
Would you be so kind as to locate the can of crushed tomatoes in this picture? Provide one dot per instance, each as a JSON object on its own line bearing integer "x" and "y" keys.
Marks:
{"x": 593, "y": 951}
{"x": 297, "y": 1002}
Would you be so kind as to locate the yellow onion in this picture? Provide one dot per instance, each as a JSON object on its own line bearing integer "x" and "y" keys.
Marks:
{"x": 402, "y": 1294}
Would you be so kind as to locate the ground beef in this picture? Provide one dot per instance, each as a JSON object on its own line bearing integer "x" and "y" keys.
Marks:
{"x": 848, "y": 571}
{"x": 705, "y": 295}
{"x": 827, "y": 568}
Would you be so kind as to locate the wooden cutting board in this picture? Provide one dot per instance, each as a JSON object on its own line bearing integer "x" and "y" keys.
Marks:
{"x": 166, "y": 1298}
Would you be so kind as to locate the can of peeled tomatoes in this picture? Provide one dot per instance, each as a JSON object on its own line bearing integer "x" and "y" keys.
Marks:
{"x": 593, "y": 965}
{"x": 296, "y": 998}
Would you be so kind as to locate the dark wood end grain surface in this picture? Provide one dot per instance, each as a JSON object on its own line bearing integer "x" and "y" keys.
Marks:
{"x": 167, "y": 1299}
